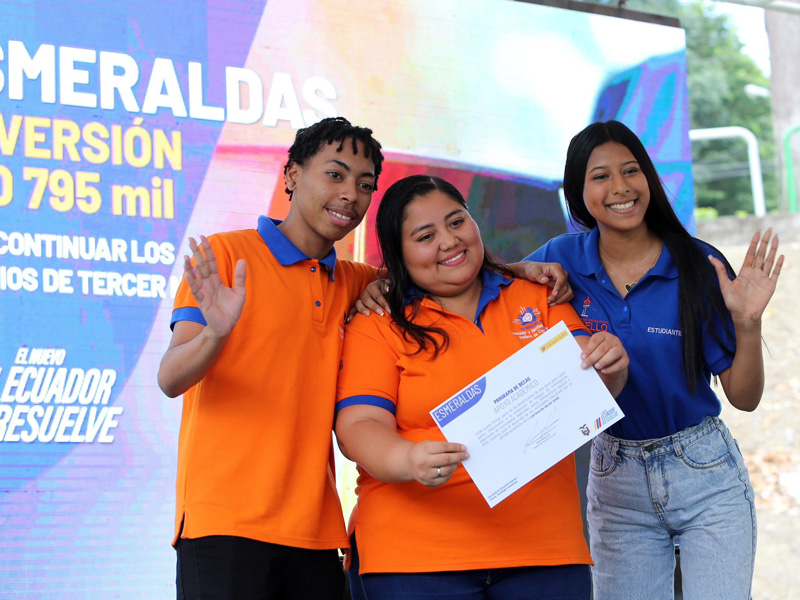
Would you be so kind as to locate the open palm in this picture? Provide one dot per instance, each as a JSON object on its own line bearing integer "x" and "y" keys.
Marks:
{"x": 747, "y": 296}
{"x": 221, "y": 305}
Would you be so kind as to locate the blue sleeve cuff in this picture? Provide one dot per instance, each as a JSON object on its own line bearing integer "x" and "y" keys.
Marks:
{"x": 189, "y": 313}
{"x": 369, "y": 401}
{"x": 721, "y": 365}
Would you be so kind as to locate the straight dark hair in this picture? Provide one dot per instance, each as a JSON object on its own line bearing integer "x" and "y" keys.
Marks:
{"x": 700, "y": 300}
{"x": 389, "y": 226}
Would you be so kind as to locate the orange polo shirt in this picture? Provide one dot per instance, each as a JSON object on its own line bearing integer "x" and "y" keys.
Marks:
{"x": 255, "y": 448}
{"x": 410, "y": 528}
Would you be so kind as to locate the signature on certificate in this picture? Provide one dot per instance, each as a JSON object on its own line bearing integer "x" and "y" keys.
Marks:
{"x": 543, "y": 430}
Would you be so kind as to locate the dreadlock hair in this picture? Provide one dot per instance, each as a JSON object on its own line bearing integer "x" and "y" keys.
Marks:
{"x": 389, "y": 227}
{"x": 700, "y": 300}
{"x": 310, "y": 140}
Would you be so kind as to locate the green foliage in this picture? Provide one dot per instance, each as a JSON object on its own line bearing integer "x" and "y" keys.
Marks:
{"x": 705, "y": 213}
{"x": 717, "y": 73}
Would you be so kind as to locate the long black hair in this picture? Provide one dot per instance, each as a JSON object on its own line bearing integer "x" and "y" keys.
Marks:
{"x": 699, "y": 297}
{"x": 389, "y": 226}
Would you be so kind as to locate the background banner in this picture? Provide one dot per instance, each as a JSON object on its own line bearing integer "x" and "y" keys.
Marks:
{"x": 127, "y": 126}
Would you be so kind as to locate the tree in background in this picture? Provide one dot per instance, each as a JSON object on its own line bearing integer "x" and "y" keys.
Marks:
{"x": 783, "y": 30}
{"x": 717, "y": 73}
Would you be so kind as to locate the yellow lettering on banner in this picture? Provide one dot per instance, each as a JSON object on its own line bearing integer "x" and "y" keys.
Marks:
{"x": 98, "y": 151}
{"x": 163, "y": 198}
{"x": 9, "y": 137}
{"x": 145, "y": 145}
{"x": 130, "y": 195}
{"x": 33, "y": 136}
{"x": 89, "y": 199}
{"x": 66, "y": 135}
{"x": 41, "y": 176}
{"x": 62, "y": 139}
{"x": 116, "y": 145}
{"x": 162, "y": 148}
{"x": 62, "y": 186}
{"x": 158, "y": 202}
{"x": 6, "y": 185}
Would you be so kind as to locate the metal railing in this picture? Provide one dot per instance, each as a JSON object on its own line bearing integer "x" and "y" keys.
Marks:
{"x": 753, "y": 158}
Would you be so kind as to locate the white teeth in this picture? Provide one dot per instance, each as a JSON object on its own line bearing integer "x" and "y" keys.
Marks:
{"x": 452, "y": 260}
{"x": 341, "y": 216}
{"x": 624, "y": 206}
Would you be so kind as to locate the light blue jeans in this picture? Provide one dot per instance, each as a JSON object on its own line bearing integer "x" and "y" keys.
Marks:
{"x": 642, "y": 494}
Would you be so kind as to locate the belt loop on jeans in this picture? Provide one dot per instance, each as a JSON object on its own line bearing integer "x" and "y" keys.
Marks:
{"x": 615, "y": 449}
{"x": 720, "y": 426}
{"x": 676, "y": 445}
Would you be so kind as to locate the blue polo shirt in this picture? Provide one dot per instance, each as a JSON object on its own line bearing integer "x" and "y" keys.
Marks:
{"x": 656, "y": 400}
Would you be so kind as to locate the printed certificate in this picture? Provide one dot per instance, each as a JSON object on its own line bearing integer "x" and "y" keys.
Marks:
{"x": 526, "y": 414}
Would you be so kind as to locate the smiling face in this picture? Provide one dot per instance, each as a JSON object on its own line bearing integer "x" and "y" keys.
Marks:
{"x": 330, "y": 196}
{"x": 442, "y": 247}
{"x": 616, "y": 192}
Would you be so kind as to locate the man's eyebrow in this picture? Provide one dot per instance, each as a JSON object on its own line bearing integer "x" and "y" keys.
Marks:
{"x": 347, "y": 168}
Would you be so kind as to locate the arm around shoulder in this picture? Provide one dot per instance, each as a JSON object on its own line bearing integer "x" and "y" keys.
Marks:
{"x": 550, "y": 274}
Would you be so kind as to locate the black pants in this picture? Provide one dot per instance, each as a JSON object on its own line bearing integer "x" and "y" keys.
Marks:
{"x": 233, "y": 568}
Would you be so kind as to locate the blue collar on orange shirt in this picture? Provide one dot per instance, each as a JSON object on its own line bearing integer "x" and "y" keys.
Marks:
{"x": 492, "y": 283}
{"x": 282, "y": 248}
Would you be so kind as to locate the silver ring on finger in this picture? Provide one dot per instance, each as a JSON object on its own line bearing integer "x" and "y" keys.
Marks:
{"x": 438, "y": 471}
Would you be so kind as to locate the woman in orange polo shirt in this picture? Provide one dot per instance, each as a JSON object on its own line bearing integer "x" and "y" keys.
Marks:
{"x": 421, "y": 526}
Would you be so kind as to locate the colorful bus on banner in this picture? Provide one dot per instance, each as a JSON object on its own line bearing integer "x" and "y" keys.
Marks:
{"x": 127, "y": 126}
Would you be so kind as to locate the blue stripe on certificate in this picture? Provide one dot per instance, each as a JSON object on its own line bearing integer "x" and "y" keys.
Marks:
{"x": 460, "y": 403}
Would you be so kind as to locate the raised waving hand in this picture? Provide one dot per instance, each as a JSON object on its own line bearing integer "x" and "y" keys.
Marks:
{"x": 221, "y": 305}
{"x": 747, "y": 296}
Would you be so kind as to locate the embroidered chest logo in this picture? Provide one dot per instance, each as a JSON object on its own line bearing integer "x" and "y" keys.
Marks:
{"x": 528, "y": 317}
{"x": 528, "y": 324}
{"x": 591, "y": 323}
{"x": 586, "y": 304}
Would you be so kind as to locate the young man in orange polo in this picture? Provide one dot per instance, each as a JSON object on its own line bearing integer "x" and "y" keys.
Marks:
{"x": 257, "y": 335}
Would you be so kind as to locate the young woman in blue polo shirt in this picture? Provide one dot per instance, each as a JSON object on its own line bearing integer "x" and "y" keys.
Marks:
{"x": 670, "y": 468}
